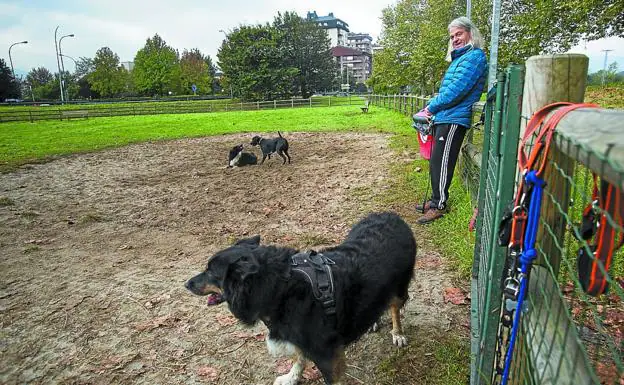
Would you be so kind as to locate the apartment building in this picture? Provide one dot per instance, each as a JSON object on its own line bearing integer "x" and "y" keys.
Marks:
{"x": 360, "y": 41}
{"x": 337, "y": 29}
{"x": 353, "y": 51}
{"x": 354, "y": 63}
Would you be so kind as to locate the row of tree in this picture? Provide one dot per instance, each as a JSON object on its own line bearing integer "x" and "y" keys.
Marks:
{"x": 415, "y": 34}
{"x": 288, "y": 57}
{"x": 158, "y": 70}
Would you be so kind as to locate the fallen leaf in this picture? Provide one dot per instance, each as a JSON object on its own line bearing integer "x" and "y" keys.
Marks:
{"x": 225, "y": 320}
{"x": 154, "y": 323}
{"x": 283, "y": 365}
{"x": 209, "y": 372}
{"x": 311, "y": 373}
{"x": 454, "y": 295}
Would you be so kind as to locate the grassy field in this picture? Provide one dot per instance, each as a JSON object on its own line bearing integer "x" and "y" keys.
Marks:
{"x": 605, "y": 97}
{"x": 198, "y": 103}
{"x": 31, "y": 142}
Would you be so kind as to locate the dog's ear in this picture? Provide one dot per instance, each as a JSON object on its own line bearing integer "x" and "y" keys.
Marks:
{"x": 247, "y": 265}
{"x": 252, "y": 241}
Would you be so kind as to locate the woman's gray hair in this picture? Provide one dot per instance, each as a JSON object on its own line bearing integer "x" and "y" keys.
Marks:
{"x": 467, "y": 25}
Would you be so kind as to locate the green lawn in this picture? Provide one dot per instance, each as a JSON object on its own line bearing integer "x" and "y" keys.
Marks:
{"x": 25, "y": 142}
{"x": 169, "y": 105}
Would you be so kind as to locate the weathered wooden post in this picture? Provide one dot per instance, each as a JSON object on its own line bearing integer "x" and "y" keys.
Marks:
{"x": 549, "y": 79}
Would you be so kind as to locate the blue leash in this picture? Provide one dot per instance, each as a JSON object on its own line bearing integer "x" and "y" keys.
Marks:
{"x": 527, "y": 257}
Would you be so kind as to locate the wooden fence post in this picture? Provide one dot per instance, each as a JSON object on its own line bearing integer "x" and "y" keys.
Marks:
{"x": 549, "y": 79}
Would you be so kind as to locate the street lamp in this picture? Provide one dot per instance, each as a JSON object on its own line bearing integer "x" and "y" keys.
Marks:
{"x": 58, "y": 64}
{"x": 60, "y": 52}
{"x": 72, "y": 59}
{"x": 11, "y": 60}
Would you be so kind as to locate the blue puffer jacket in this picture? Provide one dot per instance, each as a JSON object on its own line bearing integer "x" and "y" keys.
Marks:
{"x": 461, "y": 87}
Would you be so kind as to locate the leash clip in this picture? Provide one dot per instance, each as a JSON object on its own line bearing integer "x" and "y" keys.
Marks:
{"x": 512, "y": 288}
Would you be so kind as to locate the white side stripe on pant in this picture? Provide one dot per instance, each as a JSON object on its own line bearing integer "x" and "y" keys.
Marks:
{"x": 444, "y": 164}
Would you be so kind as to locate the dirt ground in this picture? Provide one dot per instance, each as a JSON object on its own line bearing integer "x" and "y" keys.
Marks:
{"x": 96, "y": 249}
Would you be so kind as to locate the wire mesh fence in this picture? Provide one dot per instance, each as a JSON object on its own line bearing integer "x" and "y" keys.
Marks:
{"x": 566, "y": 336}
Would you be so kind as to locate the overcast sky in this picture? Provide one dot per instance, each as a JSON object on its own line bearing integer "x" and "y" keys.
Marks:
{"x": 125, "y": 25}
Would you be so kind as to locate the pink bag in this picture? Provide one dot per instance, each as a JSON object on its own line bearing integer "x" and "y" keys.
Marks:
{"x": 425, "y": 144}
{"x": 422, "y": 124}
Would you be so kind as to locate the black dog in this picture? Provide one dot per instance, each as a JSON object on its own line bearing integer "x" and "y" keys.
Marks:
{"x": 370, "y": 271}
{"x": 239, "y": 158}
{"x": 270, "y": 146}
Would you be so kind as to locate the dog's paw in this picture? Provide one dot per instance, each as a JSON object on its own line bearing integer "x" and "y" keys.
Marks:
{"x": 373, "y": 328}
{"x": 399, "y": 340}
{"x": 286, "y": 379}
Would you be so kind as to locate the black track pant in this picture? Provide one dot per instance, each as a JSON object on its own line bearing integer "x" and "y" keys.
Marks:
{"x": 448, "y": 139}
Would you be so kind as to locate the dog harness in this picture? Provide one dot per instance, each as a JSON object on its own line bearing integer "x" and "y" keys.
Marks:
{"x": 316, "y": 268}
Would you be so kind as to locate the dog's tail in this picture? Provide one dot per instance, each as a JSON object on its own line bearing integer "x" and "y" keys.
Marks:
{"x": 280, "y": 135}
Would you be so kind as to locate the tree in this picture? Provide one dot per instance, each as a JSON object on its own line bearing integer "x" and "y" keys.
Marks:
{"x": 212, "y": 70}
{"x": 84, "y": 67}
{"x": 108, "y": 77}
{"x": 305, "y": 47}
{"x": 415, "y": 34}
{"x": 415, "y": 39}
{"x": 610, "y": 76}
{"x": 44, "y": 85}
{"x": 252, "y": 64}
{"x": 9, "y": 87}
{"x": 194, "y": 70}
{"x": 156, "y": 68}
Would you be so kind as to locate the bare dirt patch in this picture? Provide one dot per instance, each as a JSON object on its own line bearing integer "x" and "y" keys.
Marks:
{"x": 96, "y": 248}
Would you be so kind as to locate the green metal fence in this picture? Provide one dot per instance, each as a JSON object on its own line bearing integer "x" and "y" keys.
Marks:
{"x": 565, "y": 336}
{"x": 496, "y": 186}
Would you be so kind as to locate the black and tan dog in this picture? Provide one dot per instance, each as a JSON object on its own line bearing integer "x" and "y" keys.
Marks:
{"x": 271, "y": 146}
{"x": 370, "y": 271}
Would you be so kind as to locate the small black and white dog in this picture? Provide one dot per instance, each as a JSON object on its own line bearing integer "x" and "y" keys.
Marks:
{"x": 238, "y": 158}
{"x": 270, "y": 146}
{"x": 370, "y": 272}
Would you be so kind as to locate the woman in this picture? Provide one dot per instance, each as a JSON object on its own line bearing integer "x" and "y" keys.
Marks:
{"x": 451, "y": 110}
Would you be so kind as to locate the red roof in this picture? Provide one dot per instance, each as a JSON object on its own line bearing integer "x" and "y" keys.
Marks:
{"x": 339, "y": 51}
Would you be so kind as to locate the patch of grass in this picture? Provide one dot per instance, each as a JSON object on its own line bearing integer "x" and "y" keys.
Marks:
{"x": 31, "y": 249}
{"x": 92, "y": 218}
{"x": 605, "y": 97}
{"x": 29, "y": 215}
{"x": 434, "y": 358}
{"x": 5, "y": 201}
{"x": 311, "y": 240}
